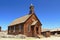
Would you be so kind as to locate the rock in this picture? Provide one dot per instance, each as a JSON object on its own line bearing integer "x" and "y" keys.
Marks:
{"x": 40, "y": 36}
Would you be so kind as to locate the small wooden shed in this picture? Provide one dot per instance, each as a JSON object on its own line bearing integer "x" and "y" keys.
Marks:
{"x": 55, "y": 31}
{"x": 46, "y": 32}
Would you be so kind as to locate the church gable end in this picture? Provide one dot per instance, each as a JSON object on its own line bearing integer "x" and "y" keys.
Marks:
{"x": 32, "y": 21}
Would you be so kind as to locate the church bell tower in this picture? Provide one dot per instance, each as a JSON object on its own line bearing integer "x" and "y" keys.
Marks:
{"x": 31, "y": 9}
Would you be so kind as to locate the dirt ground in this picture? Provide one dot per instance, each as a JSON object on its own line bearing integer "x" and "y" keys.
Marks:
{"x": 30, "y": 38}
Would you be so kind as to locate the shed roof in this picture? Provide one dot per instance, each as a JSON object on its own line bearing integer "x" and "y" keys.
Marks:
{"x": 44, "y": 30}
{"x": 57, "y": 29}
{"x": 20, "y": 20}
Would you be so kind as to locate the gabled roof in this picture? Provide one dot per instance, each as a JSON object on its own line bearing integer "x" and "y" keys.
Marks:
{"x": 20, "y": 20}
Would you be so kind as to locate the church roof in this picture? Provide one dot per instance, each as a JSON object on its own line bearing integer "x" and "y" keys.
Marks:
{"x": 20, "y": 20}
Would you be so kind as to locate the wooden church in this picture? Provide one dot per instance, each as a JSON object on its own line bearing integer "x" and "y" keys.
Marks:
{"x": 28, "y": 25}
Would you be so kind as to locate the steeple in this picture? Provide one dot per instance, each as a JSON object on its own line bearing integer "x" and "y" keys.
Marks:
{"x": 31, "y": 9}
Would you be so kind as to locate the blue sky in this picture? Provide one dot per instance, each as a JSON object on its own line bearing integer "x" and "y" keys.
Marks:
{"x": 48, "y": 12}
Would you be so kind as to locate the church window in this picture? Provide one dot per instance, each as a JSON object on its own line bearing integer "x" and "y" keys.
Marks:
{"x": 29, "y": 28}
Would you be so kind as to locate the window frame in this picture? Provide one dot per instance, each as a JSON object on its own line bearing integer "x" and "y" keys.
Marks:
{"x": 29, "y": 28}
{"x": 14, "y": 29}
{"x": 20, "y": 28}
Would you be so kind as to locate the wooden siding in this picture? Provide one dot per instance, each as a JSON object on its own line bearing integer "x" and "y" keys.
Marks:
{"x": 34, "y": 29}
{"x": 17, "y": 31}
{"x": 30, "y": 21}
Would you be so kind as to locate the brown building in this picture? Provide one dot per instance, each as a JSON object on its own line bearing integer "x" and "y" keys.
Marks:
{"x": 55, "y": 31}
{"x": 0, "y": 28}
{"x": 28, "y": 25}
{"x": 46, "y": 32}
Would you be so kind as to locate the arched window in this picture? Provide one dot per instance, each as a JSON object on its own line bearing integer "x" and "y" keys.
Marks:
{"x": 14, "y": 29}
{"x": 29, "y": 27}
{"x": 20, "y": 28}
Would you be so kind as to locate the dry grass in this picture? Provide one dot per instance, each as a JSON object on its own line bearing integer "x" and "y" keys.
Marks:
{"x": 30, "y": 38}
